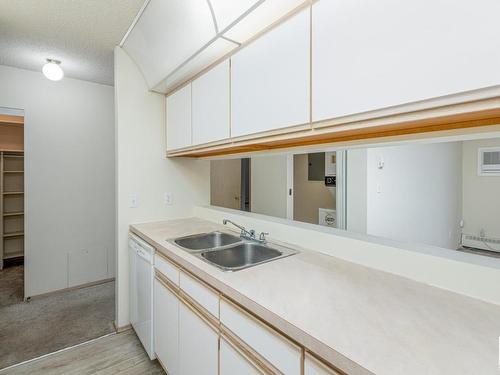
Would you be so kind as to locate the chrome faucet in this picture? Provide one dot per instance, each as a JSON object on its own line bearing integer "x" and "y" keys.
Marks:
{"x": 247, "y": 234}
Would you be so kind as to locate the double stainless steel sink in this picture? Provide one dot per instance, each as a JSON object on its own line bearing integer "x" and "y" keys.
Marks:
{"x": 231, "y": 253}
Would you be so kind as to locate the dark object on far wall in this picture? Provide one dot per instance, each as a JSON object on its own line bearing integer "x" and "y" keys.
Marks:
{"x": 331, "y": 181}
{"x": 316, "y": 166}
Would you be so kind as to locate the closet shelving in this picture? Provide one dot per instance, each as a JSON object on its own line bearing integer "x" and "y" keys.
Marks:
{"x": 11, "y": 205}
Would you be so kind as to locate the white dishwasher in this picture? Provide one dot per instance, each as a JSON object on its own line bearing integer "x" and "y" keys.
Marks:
{"x": 141, "y": 291}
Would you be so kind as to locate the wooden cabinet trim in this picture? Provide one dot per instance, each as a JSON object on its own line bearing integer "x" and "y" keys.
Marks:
{"x": 211, "y": 321}
{"x": 216, "y": 325}
{"x": 257, "y": 361}
{"x": 259, "y": 321}
{"x": 408, "y": 119}
{"x": 321, "y": 363}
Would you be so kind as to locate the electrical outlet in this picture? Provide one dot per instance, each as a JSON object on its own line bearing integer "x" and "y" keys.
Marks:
{"x": 133, "y": 200}
{"x": 168, "y": 198}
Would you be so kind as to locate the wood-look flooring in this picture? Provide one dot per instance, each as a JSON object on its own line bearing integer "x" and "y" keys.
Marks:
{"x": 120, "y": 353}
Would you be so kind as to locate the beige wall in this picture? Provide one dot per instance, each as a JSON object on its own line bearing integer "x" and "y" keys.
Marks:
{"x": 225, "y": 183}
{"x": 309, "y": 196}
{"x": 481, "y": 194}
{"x": 143, "y": 169}
{"x": 268, "y": 185}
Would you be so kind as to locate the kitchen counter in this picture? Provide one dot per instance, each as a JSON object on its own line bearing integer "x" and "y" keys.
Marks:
{"x": 360, "y": 319}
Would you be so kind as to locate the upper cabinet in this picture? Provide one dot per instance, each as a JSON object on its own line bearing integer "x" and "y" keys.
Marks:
{"x": 270, "y": 79}
{"x": 210, "y": 103}
{"x": 172, "y": 40}
{"x": 259, "y": 17}
{"x": 370, "y": 55}
{"x": 226, "y": 12}
{"x": 178, "y": 119}
{"x": 167, "y": 34}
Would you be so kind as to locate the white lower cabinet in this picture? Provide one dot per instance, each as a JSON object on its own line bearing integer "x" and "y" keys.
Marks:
{"x": 191, "y": 339}
{"x": 198, "y": 344}
{"x": 166, "y": 327}
{"x": 233, "y": 362}
{"x": 280, "y": 352}
{"x": 314, "y": 367}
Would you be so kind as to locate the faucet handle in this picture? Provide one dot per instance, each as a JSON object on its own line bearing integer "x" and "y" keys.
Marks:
{"x": 262, "y": 236}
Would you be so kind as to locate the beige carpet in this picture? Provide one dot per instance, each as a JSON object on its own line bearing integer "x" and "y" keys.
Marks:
{"x": 11, "y": 285}
{"x": 53, "y": 322}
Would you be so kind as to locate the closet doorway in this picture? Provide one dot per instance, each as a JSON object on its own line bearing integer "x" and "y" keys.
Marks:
{"x": 11, "y": 206}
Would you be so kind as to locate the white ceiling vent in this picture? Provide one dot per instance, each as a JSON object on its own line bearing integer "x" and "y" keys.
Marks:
{"x": 489, "y": 161}
{"x": 172, "y": 40}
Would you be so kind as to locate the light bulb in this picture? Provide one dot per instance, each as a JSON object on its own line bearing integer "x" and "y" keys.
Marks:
{"x": 52, "y": 70}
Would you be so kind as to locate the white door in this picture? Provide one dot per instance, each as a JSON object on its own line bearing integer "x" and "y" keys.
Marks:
{"x": 369, "y": 55}
{"x": 198, "y": 344}
{"x": 270, "y": 79}
{"x": 211, "y": 105}
{"x": 166, "y": 328}
{"x": 233, "y": 362}
{"x": 179, "y": 118}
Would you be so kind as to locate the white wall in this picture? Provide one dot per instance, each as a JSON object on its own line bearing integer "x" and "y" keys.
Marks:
{"x": 142, "y": 168}
{"x": 356, "y": 190}
{"x": 69, "y": 179}
{"x": 268, "y": 185}
{"x": 481, "y": 194}
{"x": 416, "y": 197}
{"x": 459, "y": 272}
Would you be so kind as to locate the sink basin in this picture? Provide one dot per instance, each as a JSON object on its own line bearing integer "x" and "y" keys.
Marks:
{"x": 206, "y": 241}
{"x": 243, "y": 255}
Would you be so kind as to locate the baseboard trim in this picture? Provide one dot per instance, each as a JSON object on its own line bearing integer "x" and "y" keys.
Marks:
{"x": 122, "y": 328}
{"x": 56, "y": 352}
{"x": 76, "y": 287}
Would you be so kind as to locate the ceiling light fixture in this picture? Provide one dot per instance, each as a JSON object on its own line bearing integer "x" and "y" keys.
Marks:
{"x": 52, "y": 70}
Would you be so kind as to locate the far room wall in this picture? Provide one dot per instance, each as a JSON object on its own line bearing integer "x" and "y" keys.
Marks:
{"x": 69, "y": 178}
{"x": 415, "y": 197}
{"x": 481, "y": 194}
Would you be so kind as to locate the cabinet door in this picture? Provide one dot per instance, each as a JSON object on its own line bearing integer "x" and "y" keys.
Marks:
{"x": 314, "y": 367}
{"x": 270, "y": 79}
{"x": 198, "y": 344}
{"x": 166, "y": 327}
{"x": 233, "y": 362}
{"x": 179, "y": 119}
{"x": 369, "y": 55}
{"x": 211, "y": 105}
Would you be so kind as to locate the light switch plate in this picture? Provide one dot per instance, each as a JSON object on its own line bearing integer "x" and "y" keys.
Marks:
{"x": 133, "y": 200}
{"x": 168, "y": 198}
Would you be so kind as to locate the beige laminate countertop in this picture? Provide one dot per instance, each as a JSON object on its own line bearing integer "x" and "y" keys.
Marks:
{"x": 360, "y": 319}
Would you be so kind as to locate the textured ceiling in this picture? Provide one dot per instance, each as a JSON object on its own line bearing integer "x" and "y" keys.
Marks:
{"x": 80, "y": 33}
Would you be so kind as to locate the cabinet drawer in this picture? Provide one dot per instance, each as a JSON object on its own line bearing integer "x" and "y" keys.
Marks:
{"x": 170, "y": 271}
{"x": 312, "y": 366}
{"x": 268, "y": 343}
{"x": 232, "y": 361}
{"x": 203, "y": 295}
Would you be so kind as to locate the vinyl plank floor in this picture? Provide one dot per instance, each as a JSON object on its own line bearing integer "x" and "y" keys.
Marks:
{"x": 120, "y": 353}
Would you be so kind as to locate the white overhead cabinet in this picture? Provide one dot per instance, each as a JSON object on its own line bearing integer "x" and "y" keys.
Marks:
{"x": 228, "y": 11}
{"x": 167, "y": 34}
{"x": 370, "y": 55}
{"x": 179, "y": 119}
{"x": 260, "y": 16}
{"x": 270, "y": 79}
{"x": 210, "y": 102}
